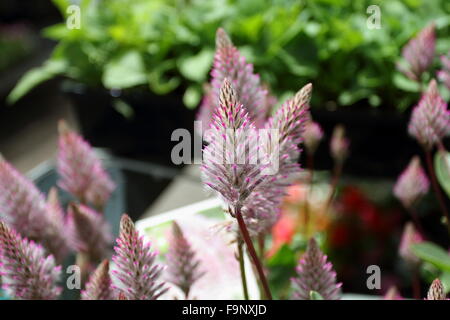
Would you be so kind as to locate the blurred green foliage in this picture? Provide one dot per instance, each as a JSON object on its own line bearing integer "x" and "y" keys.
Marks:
{"x": 166, "y": 44}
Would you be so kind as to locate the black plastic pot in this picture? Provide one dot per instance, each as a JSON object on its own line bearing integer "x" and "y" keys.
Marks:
{"x": 146, "y": 132}
{"x": 380, "y": 144}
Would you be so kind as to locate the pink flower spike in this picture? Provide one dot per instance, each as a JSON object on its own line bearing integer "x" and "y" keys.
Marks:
{"x": 99, "y": 286}
{"x": 27, "y": 272}
{"x": 312, "y": 135}
{"x": 183, "y": 266}
{"x": 230, "y": 64}
{"x": 410, "y": 236}
{"x": 339, "y": 145}
{"x": 314, "y": 273}
{"x": 80, "y": 170}
{"x": 136, "y": 271}
{"x": 412, "y": 184}
{"x": 419, "y": 53}
{"x": 436, "y": 291}
{"x": 430, "y": 119}
{"x": 25, "y": 209}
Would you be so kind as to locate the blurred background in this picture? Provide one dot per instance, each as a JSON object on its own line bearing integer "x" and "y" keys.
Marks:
{"x": 133, "y": 71}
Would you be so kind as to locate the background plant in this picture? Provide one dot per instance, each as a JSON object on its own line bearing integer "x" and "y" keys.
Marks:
{"x": 169, "y": 44}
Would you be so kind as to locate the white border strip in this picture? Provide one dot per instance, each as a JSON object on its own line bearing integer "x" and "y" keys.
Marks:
{"x": 171, "y": 215}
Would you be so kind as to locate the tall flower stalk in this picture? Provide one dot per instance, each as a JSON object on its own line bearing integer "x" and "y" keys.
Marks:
{"x": 429, "y": 124}
{"x": 183, "y": 266}
{"x": 315, "y": 273}
{"x": 27, "y": 272}
{"x": 229, "y": 166}
{"x": 136, "y": 271}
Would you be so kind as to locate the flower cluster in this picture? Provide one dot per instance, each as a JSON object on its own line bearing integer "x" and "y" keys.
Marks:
{"x": 314, "y": 273}
{"x": 412, "y": 184}
{"x": 419, "y": 53}
{"x": 430, "y": 119}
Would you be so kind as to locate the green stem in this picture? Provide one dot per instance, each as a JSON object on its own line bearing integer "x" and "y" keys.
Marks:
{"x": 242, "y": 268}
{"x": 437, "y": 190}
{"x": 252, "y": 252}
{"x": 334, "y": 181}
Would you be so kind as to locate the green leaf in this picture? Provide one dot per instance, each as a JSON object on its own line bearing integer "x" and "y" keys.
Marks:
{"x": 196, "y": 67}
{"x": 34, "y": 77}
{"x": 433, "y": 254}
{"x": 405, "y": 83}
{"x": 192, "y": 96}
{"x": 126, "y": 71}
{"x": 313, "y": 295}
{"x": 442, "y": 168}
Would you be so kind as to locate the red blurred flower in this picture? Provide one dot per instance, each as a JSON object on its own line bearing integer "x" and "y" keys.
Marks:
{"x": 282, "y": 232}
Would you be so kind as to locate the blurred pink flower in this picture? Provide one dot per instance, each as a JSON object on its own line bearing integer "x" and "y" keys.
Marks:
{"x": 444, "y": 74}
{"x": 393, "y": 294}
{"x": 412, "y": 184}
{"x": 339, "y": 145}
{"x": 430, "y": 119}
{"x": 419, "y": 53}
{"x": 312, "y": 135}
{"x": 410, "y": 237}
{"x": 80, "y": 170}
{"x": 24, "y": 208}
{"x": 89, "y": 232}
{"x": 183, "y": 266}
